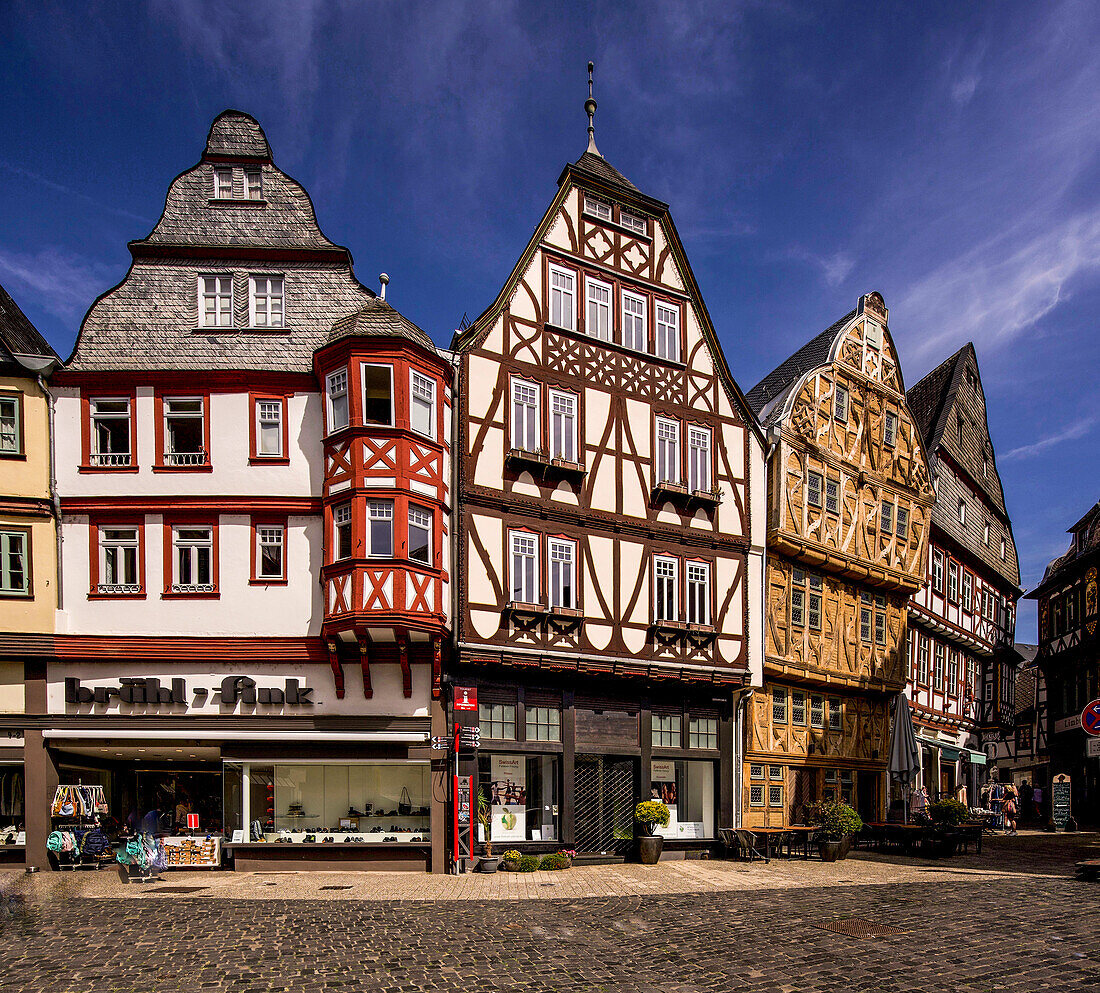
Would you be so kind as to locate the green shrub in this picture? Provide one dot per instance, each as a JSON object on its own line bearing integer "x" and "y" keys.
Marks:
{"x": 651, "y": 812}
{"x": 554, "y": 861}
{"x": 528, "y": 863}
{"x": 948, "y": 812}
{"x": 835, "y": 819}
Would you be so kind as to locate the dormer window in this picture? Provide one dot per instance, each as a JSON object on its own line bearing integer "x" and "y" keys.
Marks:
{"x": 223, "y": 183}
{"x": 265, "y": 303}
{"x": 215, "y": 301}
{"x": 633, "y": 222}
{"x": 597, "y": 208}
{"x": 253, "y": 182}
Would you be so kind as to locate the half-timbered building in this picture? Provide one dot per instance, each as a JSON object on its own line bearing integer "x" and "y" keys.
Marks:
{"x": 1069, "y": 656}
{"x": 1023, "y": 756}
{"x": 961, "y": 664}
{"x": 252, "y": 458}
{"x": 849, "y": 500}
{"x": 610, "y": 532}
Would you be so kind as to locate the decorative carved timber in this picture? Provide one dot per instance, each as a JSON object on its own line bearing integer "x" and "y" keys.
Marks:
{"x": 437, "y": 667}
{"x": 337, "y": 669}
{"x": 406, "y": 670}
{"x": 364, "y": 664}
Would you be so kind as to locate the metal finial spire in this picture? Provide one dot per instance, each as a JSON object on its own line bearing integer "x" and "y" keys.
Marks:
{"x": 590, "y": 110}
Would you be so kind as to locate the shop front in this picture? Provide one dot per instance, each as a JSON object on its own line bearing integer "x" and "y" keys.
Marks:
{"x": 12, "y": 815}
{"x": 564, "y": 767}
{"x": 265, "y": 768}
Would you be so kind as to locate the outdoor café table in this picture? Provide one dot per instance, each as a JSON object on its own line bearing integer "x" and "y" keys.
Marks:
{"x": 767, "y": 833}
{"x": 803, "y": 832}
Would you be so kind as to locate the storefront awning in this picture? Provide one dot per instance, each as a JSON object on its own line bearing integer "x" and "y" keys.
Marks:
{"x": 233, "y": 735}
{"x": 948, "y": 753}
{"x": 977, "y": 758}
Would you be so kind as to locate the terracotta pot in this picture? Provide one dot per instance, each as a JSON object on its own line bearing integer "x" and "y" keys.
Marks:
{"x": 649, "y": 849}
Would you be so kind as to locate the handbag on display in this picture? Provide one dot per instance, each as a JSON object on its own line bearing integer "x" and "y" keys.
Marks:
{"x": 404, "y": 803}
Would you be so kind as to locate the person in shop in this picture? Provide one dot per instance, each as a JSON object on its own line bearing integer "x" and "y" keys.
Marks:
{"x": 918, "y": 803}
{"x": 183, "y": 808}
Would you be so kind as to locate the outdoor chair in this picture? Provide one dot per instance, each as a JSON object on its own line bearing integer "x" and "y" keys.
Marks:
{"x": 727, "y": 838}
{"x": 747, "y": 842}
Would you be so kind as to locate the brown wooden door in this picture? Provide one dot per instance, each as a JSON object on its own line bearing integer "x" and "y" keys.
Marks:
{"x": 802, "y": 795}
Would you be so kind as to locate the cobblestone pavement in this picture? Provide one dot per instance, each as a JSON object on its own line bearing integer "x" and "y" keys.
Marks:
{"x": 1013, "y": 919}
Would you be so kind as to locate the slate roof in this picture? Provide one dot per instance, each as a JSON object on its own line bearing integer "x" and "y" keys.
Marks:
{"x": 377, "y": 317}
{"x": 17, "y": 334}
{"x": 237, "y": 135}
{"x": 1086, "y": 541}
{"x": 775, "y": 385}
{"x": 599, "y": 166}
{"x": 937, "y": 402}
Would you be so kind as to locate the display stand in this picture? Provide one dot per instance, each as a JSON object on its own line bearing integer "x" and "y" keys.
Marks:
{"x": 76, "y": 811}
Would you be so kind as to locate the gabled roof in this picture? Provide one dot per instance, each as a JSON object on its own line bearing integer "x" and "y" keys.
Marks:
{"x": 929, "y": 399}
{"x": 20, "y": 339}
{"x": 1086, "y": 541}
{"x": 779, "y": 381}
{"x": 376, "y": 317}
{"x": 599, "y": 166}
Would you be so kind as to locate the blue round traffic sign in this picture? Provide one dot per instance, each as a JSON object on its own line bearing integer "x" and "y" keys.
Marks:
{"x": 1090, "y": 718}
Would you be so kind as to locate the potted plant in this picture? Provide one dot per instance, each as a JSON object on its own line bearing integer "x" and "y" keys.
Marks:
{"x": 837, "y": 824}
{"x": 510, "y": 859}
{"x": 487, "y": 863}
{"x": 649, "y": 814}
{"x": 947, "y": 814}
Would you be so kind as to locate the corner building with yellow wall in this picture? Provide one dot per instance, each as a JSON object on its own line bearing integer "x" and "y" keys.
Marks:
{"x": 849, "y": 503}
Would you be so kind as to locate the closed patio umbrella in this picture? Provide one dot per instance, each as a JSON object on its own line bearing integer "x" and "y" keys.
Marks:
{"x": 904, "y": 764}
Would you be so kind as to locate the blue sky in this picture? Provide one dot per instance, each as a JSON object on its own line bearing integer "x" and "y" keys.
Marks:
{"x": 944, "y": 154}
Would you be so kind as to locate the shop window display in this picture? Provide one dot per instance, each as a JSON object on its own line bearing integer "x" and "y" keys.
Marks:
{"x": 523, "y": 793}
{"x": 688, "y": 790}
{"x": 314, "y": 802}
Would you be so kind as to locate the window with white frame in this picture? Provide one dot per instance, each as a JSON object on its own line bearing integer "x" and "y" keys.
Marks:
{"x": 698, "y": 593}
{"x": 668, "y": 451}
{"x": 265, "y": 304}
{"x": 832, "y": 496}
{"x": 698, "y": 458}
{"x": 563, "y": 426}
{"x": 967, "y": 591}
{"x": 253, "y": 181}
{"x": 937, "y": 570}
{"x": 813, "y": 489}
{"x": 563, "y": 298}
{"x": 703, "y": 732}
{"x": 563, "y": 574}
{"x": 269, "y": 428}
{"x": 666, "y": 730}
{"x": 598, "y": 309}
{"x": 270, "y": 551}
{"x": 378, "y": 394}
{"x": 902, "y": 527}
{"x": 380, "y": 529}
{"x": 110, "y": 432}
{"x": 543, "y": 723}
{"x": 597, "y": 207}
{"x": 420, "y": 535}
{"x": 813, "y": 611}
{"x": 817, "y": 712}
{"x": 666, "y": 595}
{"x": 840, "y": 404}
{"x": 118, "y": 560}
{"x": 525, "y": 561}
{"x": 341, "y": 532}
{"x": 953, "y": 672}
{"x": 985, "y": 534}
{"x": 216, "y": 301}
{"x": 779, "y": 705}
{"x": 223, "y": 183}
{"x": 668, "y": 332}
{"x": 634, "y": 330}
{"x": 336, "y": 389}
{"x": 887, "y": 518}
{"x": 952, "y": 581}
{"x": 525, "y": 416}
{"x": 1002, "y": 549}
{"x": 836, "y": 714}
{"x": 497, "y": 720}
{"x": 890, "y": 429}
{"x": 192, "y": 559}
{"x": 11, "y": 424}
{"x": 422, "y": 404}
{"x": 184, "y": 431}
{"x": 15, "y": 576}
{"x": 937, "y": 674}
{"x": 632, "y": 221}
{"x": 922, "y": 660}
{"x": 798, "y": 708}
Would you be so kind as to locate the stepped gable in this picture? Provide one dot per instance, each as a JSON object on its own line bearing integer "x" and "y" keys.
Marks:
{"x": 19, "y": 339}
{"x": 766, "y": 396}
{"x": 377, "y": 317}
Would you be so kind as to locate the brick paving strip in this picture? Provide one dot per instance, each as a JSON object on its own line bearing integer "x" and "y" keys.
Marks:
{"x": 1013, "y": 919}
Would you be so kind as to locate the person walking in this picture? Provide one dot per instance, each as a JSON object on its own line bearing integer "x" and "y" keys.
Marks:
{"x": 1010, "y": 806}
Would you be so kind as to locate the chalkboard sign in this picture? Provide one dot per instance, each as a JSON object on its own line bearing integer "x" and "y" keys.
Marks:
{"x": 1060, "y": 800}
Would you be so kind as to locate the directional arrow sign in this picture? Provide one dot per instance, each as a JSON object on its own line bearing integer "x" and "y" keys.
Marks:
{"x": 1090, "y": 718}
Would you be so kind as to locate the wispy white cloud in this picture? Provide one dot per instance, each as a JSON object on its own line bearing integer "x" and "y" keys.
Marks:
{"x": 68, "y": 191}
{"x": 62, "y": 283}
{"x": 835, "y": 266}
{"x": 1078, "y": 429}
{"x": 962, "y": 90}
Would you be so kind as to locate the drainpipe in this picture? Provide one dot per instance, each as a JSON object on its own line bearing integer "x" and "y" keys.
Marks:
{"x": 55, "y": 500}
{"x": 741, "y": 698}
